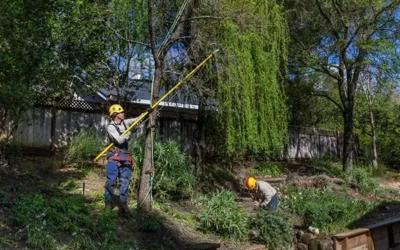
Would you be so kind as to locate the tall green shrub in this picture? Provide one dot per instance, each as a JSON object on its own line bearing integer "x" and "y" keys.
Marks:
{"x": 219, "y": 213}
{"x": 84, "y": 145}
{"x": 174, "y": 175}
{"x": 275, "y": 229}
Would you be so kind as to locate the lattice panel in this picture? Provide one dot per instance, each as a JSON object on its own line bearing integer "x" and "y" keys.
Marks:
{"x": 191, "y": 117}
{"x": 131, "y": 110}
{"x": 82, "y": 105}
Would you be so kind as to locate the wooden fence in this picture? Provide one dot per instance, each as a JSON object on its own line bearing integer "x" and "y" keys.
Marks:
{"x": 50, "y": 127}
{"x": 309, "y": 143}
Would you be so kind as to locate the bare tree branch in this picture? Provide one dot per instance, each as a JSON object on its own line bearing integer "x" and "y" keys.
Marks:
{"x": 204, "y": 17}
{"x": 369, "y": 23}
{"x": 326, "y": 17}
{"x": 321, "y": 94}
{"x": 126, "y": 39}
{"x": 151, "y": 33}
{"x": 338, "y": 11}
{"x": 177, "y": 33}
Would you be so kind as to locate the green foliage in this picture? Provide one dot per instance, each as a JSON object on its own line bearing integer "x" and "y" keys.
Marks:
{"x": 82, "y": 241}
{"x": 150, "y": 223}
{"x": 13, "y": 152}
{"x": 6, "y": 241}
{"x": 174, "y": 175}
{"x": 275, "y": 229}
{"x": 266, "y": 168}
{"x": 136, "y": 147}
{"x": 251, "y": 105}
{"x": 84, "y": 145}
{"x": 309, "y": 108}
{"x": 42, "y": 54}
{"x": 318, "y": 39}
{"x": 387, "y": 118}
{"x": 40, "y": 238}
{"x": 325, "y": 209}
{"x": 219, "y": 213}
{"x": 363, "y": 179}
{"x": 46, "y": 217}
{"x": 358, "y": 176}
{"x": 329, "y": 165}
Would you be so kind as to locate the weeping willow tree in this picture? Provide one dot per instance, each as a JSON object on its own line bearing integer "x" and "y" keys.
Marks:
{"x": 252, "y": 36}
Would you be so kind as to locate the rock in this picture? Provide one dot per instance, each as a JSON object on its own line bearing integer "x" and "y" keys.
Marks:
{"x": 314, "y": 230}
{"x": 300, "y": 234}
{"x": 206, "y": 246}
{"x": 298, "y": 221}
{"x": 307, "y": 238}
{"x": 257, "y": 247}
{"x": 293, "y": 178}
{"x": 254, "y": 233}
{"x": 326, "y": 244}
{"x": 245, "y": 199}
{"x": 302, "y": 246}
{"x": 313, "y": 245}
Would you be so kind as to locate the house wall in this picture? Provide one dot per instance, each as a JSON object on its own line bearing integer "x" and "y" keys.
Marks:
{"x": 45, "y": 122}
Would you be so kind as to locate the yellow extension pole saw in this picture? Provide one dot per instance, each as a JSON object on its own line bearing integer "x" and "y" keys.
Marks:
{"x": 140, "y": 118}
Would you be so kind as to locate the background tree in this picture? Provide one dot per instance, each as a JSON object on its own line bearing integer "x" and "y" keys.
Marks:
{"x": 338, "y": 38}
{"x": 127, "y": 66}
{"x": 42, "y": 51}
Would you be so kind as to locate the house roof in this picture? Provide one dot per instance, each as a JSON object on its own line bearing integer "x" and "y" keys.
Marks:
{"x": 140, "y": 93}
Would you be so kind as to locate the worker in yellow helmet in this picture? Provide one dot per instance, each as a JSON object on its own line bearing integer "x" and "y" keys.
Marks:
{"x": 120, "y": 161}
{"x": 263, "y": 193}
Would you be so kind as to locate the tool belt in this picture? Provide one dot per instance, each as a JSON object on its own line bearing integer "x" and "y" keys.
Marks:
{"x": 122, "y": 160}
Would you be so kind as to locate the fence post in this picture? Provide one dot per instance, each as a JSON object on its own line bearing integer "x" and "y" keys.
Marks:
{"x": 53, "y": 127}
{"x": 182, "y": 138}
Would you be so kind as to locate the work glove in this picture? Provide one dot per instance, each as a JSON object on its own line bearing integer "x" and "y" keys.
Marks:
{"x": 127, "y": 135}
{"x": 256, "y": 205}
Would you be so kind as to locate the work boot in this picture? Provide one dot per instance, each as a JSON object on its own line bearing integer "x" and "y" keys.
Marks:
{"x": 124, "y": 209}
{"x": 108, "y": 205}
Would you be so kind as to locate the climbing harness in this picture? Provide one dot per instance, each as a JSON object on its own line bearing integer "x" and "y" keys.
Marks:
{"x": 122, "y": 160}
{"x": 115, "y": 152}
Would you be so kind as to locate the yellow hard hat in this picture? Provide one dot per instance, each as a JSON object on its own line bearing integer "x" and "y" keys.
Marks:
{"x": 251, "y": 183}
{"x": 116, "y": 108}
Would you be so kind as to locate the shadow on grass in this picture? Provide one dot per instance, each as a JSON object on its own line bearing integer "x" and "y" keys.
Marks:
{"x": 386, "y": 211}
{"x": 47, "y": 214}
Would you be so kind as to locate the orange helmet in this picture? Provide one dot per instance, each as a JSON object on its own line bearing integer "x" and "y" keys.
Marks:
{"x": 116, "y": 108}
{"x": 251, "y": 183}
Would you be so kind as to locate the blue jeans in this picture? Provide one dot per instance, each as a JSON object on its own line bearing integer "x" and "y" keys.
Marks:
{"x": 124, "y": 174}
{"x": 273, "y": 204}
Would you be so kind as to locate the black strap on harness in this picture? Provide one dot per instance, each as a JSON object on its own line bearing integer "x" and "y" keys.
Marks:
{"x": 116, "y": 127}
{"x": 118, "y": 130}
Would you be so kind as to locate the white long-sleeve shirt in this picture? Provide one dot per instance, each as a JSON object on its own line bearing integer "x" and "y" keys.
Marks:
{"x": 115, "y": 135}
{"x": 264, "y": 193}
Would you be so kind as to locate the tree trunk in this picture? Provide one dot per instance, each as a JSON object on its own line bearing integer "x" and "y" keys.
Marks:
{"x": 199, "y": 135}
{"x": 348, "y": 138}
{"x": 371, "y": 119}
{"x": 373, "y": 138}
{"x": 144, "y": 200}
{"x": 3, "y": 126}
